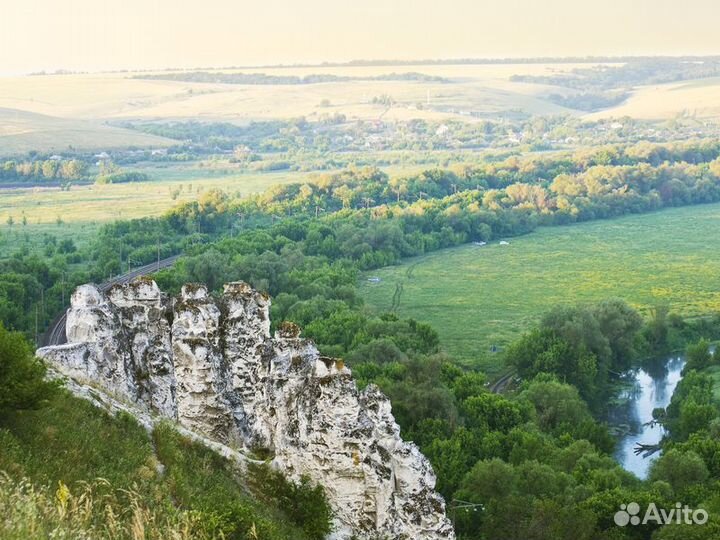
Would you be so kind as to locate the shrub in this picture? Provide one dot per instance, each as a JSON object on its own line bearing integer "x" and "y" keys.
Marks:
{"x": 22, "y": 376}
{"x": 304, "y": 503}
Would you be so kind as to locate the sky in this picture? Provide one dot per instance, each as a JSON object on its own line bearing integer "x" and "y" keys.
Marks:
{"x": 95, "y": 35}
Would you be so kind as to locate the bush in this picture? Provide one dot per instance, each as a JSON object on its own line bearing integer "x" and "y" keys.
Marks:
{"x": 22, "y": 376}
{"x": 699, "y": 355}
{"x": 679, "y": 469}
{"x": 121, "y": 178}
{"x": 303, "y": 503}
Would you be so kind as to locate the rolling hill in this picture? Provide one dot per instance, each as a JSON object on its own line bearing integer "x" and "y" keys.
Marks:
{"x": 23, "y": 131}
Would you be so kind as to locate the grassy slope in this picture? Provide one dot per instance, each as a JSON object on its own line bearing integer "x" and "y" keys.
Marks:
{"x": 167, "y": 484}
{"x": 697, "y": 98}
{"x": 22, "y": 131}
{"x": 478, "y": 296}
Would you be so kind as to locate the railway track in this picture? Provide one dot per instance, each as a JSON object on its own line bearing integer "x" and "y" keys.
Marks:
{"x": 55, "y": 334}
{"x": 498, "y": 387}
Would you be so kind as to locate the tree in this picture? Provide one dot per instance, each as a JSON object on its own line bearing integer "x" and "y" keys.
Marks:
{"x": 344, "y": 194}
{"x": 694, "y": 417}
{"x": 699, "y": 355}
{"x": 467, "y": 385}
{"x": 73, "y": 169}
{"x": 210, "y": 268}
{"x": 555, "y": 404}
{"x": 619, "y": 323}
{"x": 692, "y": 406}
{"x": 22, "y": 375}
{"x": 488, "y": 480}
{"x": 108, "y": 168}
{"x": 542, "y": 351}
{"x": 579, "y": 327}
{"x": 50, "y": 169}
{"x": 491, "y": 412}
{"x": 679, "y": 469}
{"x": 656, "y": 331}
{"x": 715, "y": 167}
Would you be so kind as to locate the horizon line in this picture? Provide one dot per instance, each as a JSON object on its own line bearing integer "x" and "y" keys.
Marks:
{"x": 389, "y": 62}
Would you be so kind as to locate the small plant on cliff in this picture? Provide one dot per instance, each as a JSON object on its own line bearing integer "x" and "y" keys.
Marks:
{"x": 304, "y": 503}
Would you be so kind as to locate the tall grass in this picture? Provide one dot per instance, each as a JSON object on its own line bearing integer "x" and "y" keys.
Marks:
{"x": 72, "y": 471}
{"x": 91, "y": 511}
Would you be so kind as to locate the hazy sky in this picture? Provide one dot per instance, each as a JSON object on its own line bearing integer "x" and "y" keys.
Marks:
{"x": 102, "y": 34}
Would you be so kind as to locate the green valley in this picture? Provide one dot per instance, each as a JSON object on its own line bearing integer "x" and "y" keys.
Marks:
{"x": 479, "y": 296}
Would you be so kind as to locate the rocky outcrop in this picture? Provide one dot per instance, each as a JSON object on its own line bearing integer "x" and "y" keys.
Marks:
{"x": 211, "y": 365}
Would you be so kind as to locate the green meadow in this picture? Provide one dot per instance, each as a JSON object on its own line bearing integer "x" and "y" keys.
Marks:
{"x": 79, "y": 212}
{"x": 166, "y": 188}
{"x": 480, "y": 296}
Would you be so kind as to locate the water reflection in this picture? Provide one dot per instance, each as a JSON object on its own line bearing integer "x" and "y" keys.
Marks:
{"x": 653, "y": 386}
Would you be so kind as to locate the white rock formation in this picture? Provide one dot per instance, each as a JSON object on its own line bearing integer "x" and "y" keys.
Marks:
{"x": 212, "y": 365}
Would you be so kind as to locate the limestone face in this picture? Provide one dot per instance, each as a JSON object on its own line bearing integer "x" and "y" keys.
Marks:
{"x": 211, "y": 364}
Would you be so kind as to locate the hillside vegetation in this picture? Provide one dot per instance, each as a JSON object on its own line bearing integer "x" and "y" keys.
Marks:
{"x": 537, "y": 460}
{"x": 69, "y": 470}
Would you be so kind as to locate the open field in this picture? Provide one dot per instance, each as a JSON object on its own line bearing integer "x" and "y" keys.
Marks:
{"x": 470, "y": 89}
{"x": 699, "y": 99}
{"x": 84, "y": 208}
{"x": 479, "y": 296}
{"x": 101, "y": 203}
{"x": 90, "y": 203}
{"x": 22, "y": 132}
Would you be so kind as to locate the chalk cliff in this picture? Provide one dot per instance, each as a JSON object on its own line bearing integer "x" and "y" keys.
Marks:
{"x": 211, "y": 365}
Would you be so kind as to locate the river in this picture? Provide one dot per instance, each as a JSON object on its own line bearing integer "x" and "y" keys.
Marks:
{"x": 653, "y": 387}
